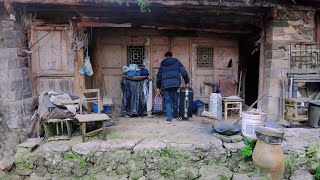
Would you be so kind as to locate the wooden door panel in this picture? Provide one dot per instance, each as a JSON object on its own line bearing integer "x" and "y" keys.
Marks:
{"x": 180, "y": 48}
{"x": 222, "y": 56}
{"x": 52, "y": 62}
{"x": 64, "y": 85}
{"x": 111, "y": 56}
{"x": 112, "y": 88}
{"x": 157, "y": 55}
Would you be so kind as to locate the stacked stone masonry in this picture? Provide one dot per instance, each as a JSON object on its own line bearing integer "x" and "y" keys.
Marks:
{"x": 155, "y": 159}
{"x": 289, "y": 26}
{"x": 16, "y": 105}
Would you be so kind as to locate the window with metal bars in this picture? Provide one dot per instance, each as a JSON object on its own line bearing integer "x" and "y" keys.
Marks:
{"x": 305, "y": 55}
{"x": 204, "y": 57}
{"x": 135, "y": 55}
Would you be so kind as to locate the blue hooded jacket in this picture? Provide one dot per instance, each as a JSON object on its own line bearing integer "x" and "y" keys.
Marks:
{"x": 169, "y": 74}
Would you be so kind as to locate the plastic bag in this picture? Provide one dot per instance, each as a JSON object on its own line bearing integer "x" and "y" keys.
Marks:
{"x": 133, "y": 67}
{"x": 215, "y": 105}
{"x": 134, "y": 97}
{"x": 87, "y": 67}
{"x": 158, "y": 103}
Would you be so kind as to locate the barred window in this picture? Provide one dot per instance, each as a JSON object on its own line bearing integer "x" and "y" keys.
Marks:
{"x": 204, "y": 57}
{"x": 135, "y": 55}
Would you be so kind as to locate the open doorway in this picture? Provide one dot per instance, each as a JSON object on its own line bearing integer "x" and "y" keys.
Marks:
{"x": 250, "y": 55}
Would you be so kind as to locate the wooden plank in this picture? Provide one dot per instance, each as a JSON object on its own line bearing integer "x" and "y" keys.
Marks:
{"x": 102, "y": 24}
{"x": 54, "y": 74}
{"x": 91, "y": 117}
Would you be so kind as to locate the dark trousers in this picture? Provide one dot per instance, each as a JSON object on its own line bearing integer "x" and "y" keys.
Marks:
{"x": 171, "y": 97}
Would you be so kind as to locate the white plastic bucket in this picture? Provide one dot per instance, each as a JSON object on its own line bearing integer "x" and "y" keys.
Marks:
{"x": 251, "y": 119}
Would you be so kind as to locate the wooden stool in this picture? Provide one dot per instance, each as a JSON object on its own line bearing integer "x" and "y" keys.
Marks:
{"x": 236, "y": 104}
{"x": 89, "y": 118}
{"x": 292, "y": 105}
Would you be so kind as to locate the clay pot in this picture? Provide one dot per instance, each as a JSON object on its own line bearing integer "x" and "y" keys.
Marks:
{"x": 269, "y": 159}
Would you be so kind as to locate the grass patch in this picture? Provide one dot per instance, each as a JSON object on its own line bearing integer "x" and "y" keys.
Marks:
{"x": 114, "y": 135}
{"x": 70, "y": 155}
{"x": 224, "y": 177}
{"x": 174, "y": 153}
{"x": 27, "y": 165}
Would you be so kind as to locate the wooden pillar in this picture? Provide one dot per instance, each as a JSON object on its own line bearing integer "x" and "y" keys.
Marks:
{"x": 261, "y": 68}
{"x": 79, "y": 84}
{"x": 318, "y": 26}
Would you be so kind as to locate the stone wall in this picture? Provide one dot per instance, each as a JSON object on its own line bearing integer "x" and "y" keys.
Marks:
{"x": 287, "y": 26}
{"x": 155, "y": 159}
{"x": 16, "y": 105}
{"x": 150, "y": 159}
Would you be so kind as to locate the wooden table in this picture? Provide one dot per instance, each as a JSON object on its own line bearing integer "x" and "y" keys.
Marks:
{"x": 236, "y": 104}
{"x": 89, "y": 118}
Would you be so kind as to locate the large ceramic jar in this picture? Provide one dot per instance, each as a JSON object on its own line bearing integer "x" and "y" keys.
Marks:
{"x": 267, "y": 154}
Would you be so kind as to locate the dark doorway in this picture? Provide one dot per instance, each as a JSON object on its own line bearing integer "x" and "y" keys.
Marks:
{"x": 252, "y": 77}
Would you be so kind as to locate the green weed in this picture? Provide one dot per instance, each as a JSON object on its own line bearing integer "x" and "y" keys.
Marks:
{"x": 224, "y": 177}
{"x": 70, "y": 155}
{"x": 311, "y": 152}
{"x": 288, "y": 163}
{"x": 247, "y": 150}
{"x": 173, "y": 153}
{"x": 27, "y": 165}
{"x": 317, "y": 174}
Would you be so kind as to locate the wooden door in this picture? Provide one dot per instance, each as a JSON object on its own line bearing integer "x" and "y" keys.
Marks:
{"x": 210, "y": 60}
{"x": 202, "y": 69}
{"x": 180, "y": 48}
{"x": 159, "y": 46}
{"x": 110, "y": 60}
{"x": 52, "y": 62}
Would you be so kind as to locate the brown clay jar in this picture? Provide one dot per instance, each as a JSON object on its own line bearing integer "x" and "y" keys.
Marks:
{"x": 269, "y": 159}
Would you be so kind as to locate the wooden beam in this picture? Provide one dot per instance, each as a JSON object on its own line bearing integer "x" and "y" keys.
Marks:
{"x": 50, "y": 27}
{"x": 102, "y": 24}
{"x": 222, "y": 31}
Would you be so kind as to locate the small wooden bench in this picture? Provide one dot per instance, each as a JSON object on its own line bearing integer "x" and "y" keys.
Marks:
{"x": 89, "y": 118}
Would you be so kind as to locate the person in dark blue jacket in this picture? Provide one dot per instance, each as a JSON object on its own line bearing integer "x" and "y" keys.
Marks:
{"x": 169, "y": 80}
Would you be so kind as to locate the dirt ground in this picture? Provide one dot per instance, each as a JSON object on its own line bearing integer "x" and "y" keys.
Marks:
{"x": 196, "y": 131}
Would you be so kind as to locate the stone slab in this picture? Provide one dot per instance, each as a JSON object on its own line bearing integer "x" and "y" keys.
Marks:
{"x": 234, "y": 147}
{"x": 153, "y": 144}
{"x": 57, "y": 148}
{"x": 31, "y": 143}
{"x": 240, "y": 177}
{"x": 183, "y": 147}
{"x": 119, "y": 144}
{"x": 301, "y": 175}
{"x": 214, "y": 172}
{"x": 87, "y": 148}
{"x": 229, "y": 139}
